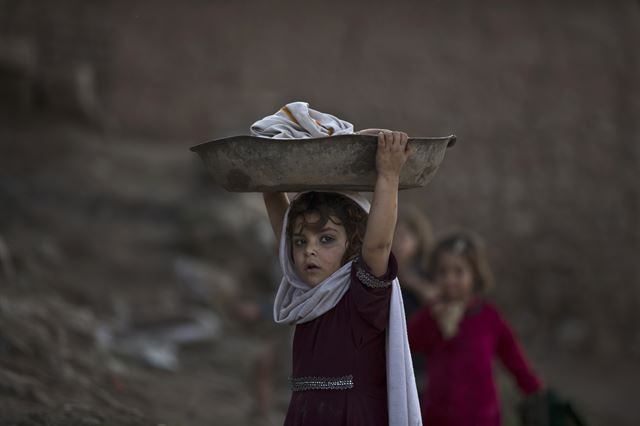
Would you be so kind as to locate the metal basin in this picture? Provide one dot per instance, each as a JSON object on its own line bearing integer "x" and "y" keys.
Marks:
{"x": 345, "y": 162}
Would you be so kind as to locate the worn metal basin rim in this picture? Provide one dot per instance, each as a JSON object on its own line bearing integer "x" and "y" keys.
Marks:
{"x": 345, "y": 162}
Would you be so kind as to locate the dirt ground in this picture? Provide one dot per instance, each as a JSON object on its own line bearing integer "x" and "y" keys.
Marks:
{"x": 102, "y": 242}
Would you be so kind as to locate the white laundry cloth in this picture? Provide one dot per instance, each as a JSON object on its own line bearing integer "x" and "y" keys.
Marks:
{"x": 297, "y": 121}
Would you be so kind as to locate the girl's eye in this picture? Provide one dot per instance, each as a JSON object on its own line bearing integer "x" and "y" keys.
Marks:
{"x": 298, "y": 242}
{"x": 326, "y": 239}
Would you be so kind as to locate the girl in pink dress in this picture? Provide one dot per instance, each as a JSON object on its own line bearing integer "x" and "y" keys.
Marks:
{"x": 461, "y": 334}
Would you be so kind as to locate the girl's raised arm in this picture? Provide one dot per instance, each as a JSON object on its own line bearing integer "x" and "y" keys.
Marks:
{"x": 391, "y": 155}
{"x": 276, "y": 204}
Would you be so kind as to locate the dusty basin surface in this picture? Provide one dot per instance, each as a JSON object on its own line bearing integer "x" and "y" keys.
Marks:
{"x": 345, "y": 162}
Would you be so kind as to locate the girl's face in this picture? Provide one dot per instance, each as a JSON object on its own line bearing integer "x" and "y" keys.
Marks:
{"x": 405, "y": 243}
{"x": 317, "y": 254}
{"x": 454, "y": 277}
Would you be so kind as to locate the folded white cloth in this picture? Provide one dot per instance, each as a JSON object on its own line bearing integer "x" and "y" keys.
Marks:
{"x": 297, "y": 121}
{"x": 296, "y": 303}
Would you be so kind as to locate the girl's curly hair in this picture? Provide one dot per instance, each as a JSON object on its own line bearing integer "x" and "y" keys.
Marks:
{"x": 330, "y": 205}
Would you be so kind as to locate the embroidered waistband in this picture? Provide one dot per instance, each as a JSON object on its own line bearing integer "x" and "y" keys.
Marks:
{"x": 299, "y": 384}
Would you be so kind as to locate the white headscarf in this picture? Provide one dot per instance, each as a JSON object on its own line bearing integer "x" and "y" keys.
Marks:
{"x": 297, "y": 302}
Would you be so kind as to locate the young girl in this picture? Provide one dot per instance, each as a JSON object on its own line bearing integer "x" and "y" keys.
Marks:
{"x": 461, "y": 334}
{"x": 412, "y": 244}
{"x": 351, "y": 360}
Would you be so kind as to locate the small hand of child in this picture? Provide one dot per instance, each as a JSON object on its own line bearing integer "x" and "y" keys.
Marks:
{"x": 393, "y": 151}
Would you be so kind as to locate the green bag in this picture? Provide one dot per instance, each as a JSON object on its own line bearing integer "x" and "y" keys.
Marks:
{"x": 546, "y": 408}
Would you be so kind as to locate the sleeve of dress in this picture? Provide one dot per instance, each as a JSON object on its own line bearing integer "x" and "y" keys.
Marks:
{"x": 371, "y": 294}
{"x": 512, "y": 357}
{"x": 422, "y": 331}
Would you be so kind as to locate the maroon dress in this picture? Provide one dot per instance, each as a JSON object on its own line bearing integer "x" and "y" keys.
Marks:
{"x": 339, "y": 361}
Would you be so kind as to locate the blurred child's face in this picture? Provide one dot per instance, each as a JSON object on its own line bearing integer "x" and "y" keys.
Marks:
{"x": 317, "y": 253}
{"x": 405, "y": 243}
{"x": 454, "y": 277}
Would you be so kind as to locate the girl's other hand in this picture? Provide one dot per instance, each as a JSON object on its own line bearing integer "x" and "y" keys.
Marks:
{"x": 393, "y": 151}
{"x": 276, "y": 204}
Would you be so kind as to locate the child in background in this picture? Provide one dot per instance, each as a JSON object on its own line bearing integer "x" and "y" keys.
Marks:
{"x": 351, "y": 360}
{"x": 412, "y": 244}
{"x": 460, "y": 334}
